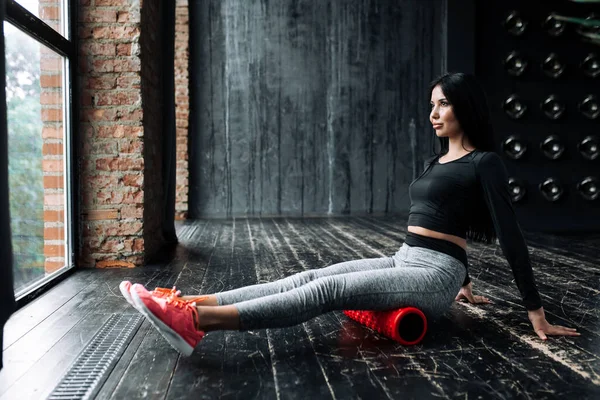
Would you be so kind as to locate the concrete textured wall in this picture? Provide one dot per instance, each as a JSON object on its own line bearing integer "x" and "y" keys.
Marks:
{"x": 308, "y": 108}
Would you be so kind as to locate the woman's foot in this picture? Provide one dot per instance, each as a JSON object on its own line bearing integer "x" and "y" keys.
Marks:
{"x": 206, "y": 300}
{"x": 176, "y": 320}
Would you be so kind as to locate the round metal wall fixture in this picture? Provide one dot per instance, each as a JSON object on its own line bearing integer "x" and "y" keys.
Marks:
{"x": 554, "y": 27}
{"x": 514, "y": 107}
{"x": 552, "y": 66}
{"x": 514, "y": 147}
{"x": 589, "y": 107}
{"x": 516, "y": 189}
{"x": 515, "y": 64}
{"x": 589, "y": 188}
{"x": 589, "y": 147}
{"x": 590, "y": 29}
{"x": 553, "y": 107}
{"x": 515, "y": 24}
{"x": 591, "y": 65}
{"x": 552, "y": 147}
{"x": 551, "y": 189}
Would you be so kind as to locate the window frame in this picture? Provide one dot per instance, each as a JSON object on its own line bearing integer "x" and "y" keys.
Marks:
{"x": 36, "y": 28}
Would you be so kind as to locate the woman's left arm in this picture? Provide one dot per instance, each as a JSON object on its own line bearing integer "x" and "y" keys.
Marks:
{"x": 543, "y": 327}
{"x": 493, "y": 178}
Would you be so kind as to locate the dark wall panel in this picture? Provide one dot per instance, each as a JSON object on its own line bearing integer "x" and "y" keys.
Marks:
{"x": 310, "y": 108}
{"x": 572, "y": 212}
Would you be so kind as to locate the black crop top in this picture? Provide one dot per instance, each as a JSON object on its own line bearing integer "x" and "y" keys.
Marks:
{"x": 443, "y": 195}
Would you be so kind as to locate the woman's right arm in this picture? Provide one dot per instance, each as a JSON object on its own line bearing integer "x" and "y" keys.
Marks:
{"x": 466, "y": 293}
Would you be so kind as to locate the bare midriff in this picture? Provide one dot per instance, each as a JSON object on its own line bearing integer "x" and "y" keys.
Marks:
{"x": 438, "y": 235}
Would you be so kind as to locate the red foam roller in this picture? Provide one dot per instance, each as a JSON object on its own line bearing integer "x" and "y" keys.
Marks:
{"x": 406, "y": 325}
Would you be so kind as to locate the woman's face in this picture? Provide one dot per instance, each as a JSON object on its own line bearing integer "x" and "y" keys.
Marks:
{"x": 442, "y": 115}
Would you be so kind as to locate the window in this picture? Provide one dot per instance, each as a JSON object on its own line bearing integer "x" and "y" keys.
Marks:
{"x": 39, "y": 73}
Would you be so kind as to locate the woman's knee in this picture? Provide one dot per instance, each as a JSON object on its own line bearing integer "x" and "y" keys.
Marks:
{"x": 326, "y": 291}
{"x": 301, "y": 278}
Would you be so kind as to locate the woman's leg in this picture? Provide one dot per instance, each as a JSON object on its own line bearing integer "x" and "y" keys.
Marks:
{"x": 295, "y": 281}
{"x": 430, "y": 284}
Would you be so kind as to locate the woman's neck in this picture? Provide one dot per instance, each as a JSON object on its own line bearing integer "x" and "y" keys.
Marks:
{"x": 459, "y": 146}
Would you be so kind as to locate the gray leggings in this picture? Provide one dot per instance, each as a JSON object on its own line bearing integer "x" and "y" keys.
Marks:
{"x": 414, "y": 276}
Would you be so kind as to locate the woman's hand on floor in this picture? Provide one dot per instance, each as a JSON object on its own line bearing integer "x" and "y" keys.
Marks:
{"x": 466, "y": 293}
{"x": 543, "y": 327}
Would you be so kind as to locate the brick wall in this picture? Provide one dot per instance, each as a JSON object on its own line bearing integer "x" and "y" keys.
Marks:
{"x": 120, "y": 130}
{"x": 51, "y": 101}
{"x": 182, "y": 106}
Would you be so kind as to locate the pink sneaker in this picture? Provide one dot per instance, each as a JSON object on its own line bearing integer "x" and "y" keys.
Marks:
{"x": 175, "y": 319}
{"x": 125, "y": 286}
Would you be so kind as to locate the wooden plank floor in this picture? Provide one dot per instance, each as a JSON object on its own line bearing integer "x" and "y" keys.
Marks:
{"x": 477, "y": 352}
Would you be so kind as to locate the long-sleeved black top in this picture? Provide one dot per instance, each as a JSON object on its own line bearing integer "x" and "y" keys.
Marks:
{"x": 445, "y": 193}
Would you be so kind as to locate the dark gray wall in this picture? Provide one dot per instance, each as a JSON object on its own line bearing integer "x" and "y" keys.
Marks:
{"x": 303, "y": 107}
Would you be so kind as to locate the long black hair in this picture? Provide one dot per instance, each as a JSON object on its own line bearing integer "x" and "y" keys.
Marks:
{"x": 470, "y": 107}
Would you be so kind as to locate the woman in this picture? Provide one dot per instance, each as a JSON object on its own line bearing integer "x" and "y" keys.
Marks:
{"x": 462, "y": 193}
